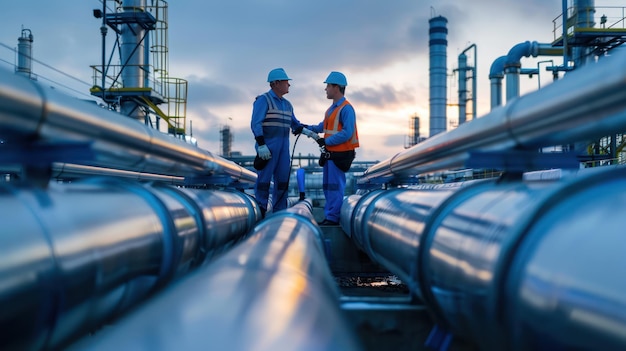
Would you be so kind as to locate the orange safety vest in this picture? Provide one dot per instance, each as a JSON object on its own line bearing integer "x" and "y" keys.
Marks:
{"x": 332, "y": 127}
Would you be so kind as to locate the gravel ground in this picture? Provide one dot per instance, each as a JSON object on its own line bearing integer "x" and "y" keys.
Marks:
{"x": 380, "y": 284}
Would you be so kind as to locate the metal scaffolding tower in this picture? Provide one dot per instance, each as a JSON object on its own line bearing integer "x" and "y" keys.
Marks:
{"x": 139, "y": 86}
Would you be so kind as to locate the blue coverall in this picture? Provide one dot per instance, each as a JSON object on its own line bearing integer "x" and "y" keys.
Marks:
{"x": 272, "y": 118}
{"x": 334, "y": 180}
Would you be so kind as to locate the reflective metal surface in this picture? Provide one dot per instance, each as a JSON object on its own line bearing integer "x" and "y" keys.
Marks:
{"x": 563, "y": 112}
{"x": 347, "y": 209}
{"x": 509, "y": 265}
{"x": 388, "y": 226}
{"x": 567, "y": 283}
{"x": 66, "y": 171}
{"x": 225, "y": 215}
{"x": 356, "y": 218}
{"x": 465, "y": 255}
{"x": 273, "y": 291}
{"x": 27, "y": 110}
{"x": 77, "y": 255}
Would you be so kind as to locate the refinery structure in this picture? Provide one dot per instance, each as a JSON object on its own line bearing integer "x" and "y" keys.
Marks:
{"x": 504, "y": 233}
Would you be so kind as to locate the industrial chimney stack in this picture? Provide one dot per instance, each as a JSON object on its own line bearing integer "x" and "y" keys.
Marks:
{"x": 438, "y": 44}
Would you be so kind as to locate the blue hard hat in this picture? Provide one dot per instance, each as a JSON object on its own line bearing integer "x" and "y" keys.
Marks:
{"x": 277, "y": 74}
{"x": 336, "y": 78}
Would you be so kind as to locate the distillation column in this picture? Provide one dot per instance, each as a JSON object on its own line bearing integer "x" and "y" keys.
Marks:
{"x": 25, "y": 53}
{"x": 438, "y": 44}
{"x": 133, "y": 49}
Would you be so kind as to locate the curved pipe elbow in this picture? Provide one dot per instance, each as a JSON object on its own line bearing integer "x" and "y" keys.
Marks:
{"x": 497, "y": 68}
{"x": 515, "y": 54}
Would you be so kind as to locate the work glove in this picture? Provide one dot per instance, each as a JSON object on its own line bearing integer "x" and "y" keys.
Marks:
{"x": 322, "y": 143}
{"x": 298, "y": 130}
{"x": 324, "y": 156}
{"x": 310, "y": 133}
{"x": 264, "y": 152}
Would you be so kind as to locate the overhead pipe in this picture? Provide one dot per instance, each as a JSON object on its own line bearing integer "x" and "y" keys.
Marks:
{"x": 512, "y": 67}
{"x": 273, "y": 291}
{"x": 29, "y": 112}
{"x": 78, "y": 255}
{"x": 511, "y": 63}
{"x": 579, "y": 106}
{"x": 496, "y": 74}
{"x": 507, "y": 265}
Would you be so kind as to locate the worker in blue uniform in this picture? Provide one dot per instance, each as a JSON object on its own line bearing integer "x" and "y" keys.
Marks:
{"x": 272, "y": 120}
{"x": 338, "y": 145}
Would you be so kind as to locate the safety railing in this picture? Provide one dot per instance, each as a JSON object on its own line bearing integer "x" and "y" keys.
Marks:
{"x": 113, "y": 78}
{"x": 606, "y": 17}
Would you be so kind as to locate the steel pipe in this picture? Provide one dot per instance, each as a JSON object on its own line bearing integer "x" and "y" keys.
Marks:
{"x": 496, "y": 74}
{"x": 30, "y": 112}
{"x": 565, "y": 285}
{"x": 67, "y": 171}
{"x": 388, "y": 225}
{"x": 273, "y": 291}
{"x": 509, "y": 265}
{"x": 577, "y": 107}
{"x": 77, "y": 255}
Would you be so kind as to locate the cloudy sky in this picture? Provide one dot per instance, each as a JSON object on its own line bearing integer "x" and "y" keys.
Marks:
{"x": 224, "y": 49}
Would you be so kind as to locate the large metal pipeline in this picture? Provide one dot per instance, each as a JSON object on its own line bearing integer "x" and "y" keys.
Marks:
{"x": 517, "y": 265}
{"x": 566, "y": 111}
{"x": 75, "y": 256}
{"x": 69, "y": 172}
{"x": 400, "y": 214}
{"x": 30, "y": 112}
{"x": 273, "y": 291}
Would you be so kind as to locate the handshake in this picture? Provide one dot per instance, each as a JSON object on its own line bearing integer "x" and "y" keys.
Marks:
{"x": 311, "y": 134}
{"x": 306, "y": 131}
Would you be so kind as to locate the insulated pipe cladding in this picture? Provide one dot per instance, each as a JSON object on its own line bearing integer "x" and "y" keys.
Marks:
{"x": 75, "y": 256}
{"x": 272, "y": 291}
{"x": 577, "y": 107}
{"x": 29, "y": 112}
{"x": 517, "y": 265}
